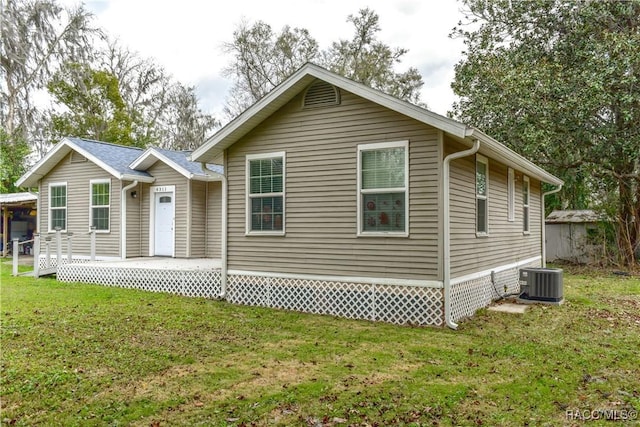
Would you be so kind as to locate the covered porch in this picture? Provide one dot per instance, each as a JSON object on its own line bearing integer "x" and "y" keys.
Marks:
{"x": 194, "y": 277}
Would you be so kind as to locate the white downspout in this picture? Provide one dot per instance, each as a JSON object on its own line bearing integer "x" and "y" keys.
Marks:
{"x": 542, "y": 220}
{"x": 446, "y": 268}
{"x": 223, "y": 230}
{"x": 123, "y": 219}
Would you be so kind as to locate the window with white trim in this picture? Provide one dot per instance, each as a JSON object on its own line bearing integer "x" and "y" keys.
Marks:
{"x": 265, "y": 193}
{"x": 58, "y": 206}
{"x": 511, "y": 194}
{"x": 383, "y": 185}
{"x": 100, "y": 207}
{"x": 482, "y": 195}
{"x": 526, "y": 187}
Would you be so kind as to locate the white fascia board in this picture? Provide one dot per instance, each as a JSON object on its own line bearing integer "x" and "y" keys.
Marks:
{"x": 304, "y": 76}
{"x": 511, "y": 158}
{"x": 243, "y": 119}
{"x": 151, "y": 152}
{"x": 127, "y": 177}
{"x": 43, "y": 166}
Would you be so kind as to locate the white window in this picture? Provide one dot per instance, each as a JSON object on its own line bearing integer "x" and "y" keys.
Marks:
{"x": 482, "y": 195}
{"x": 383, "y": 184}
{"x": 525, "y": 204}
{"x": 265, "y": 193}
{"x": 58, "y": 206}
{"x": 511, "y": 196}
{"x": 99, "y": 210}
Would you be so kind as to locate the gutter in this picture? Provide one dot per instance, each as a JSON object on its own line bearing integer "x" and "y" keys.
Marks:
{"x": 123, "y": 219}
{"x": 542, "y": 220}
{"x": 223, "y": 230}
{"x": 446, "y": 268}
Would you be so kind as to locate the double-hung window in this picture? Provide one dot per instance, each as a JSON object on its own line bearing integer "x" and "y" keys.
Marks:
{"x": 100, "y": 204}
{"x": 482, "y": 195}
{"x": 525, "y": 204}
{"x": 58, "y": 206}
{"x": 383, "y": 189}
{"x": 265, "y": 193}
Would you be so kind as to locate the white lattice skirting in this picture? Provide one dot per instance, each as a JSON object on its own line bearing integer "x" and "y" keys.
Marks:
{"x": 53, "y": 261}
{"x": 193, "y": 283}
{"x": 468, "y": 296}
{"x": 400, "y": 304}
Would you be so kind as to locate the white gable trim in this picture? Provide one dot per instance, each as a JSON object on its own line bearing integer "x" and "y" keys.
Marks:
{"x": 55, "y": 155}
{"x": 151, "y": 156}
{"x": 295, "y": 84}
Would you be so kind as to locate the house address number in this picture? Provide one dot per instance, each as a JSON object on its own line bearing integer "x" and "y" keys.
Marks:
{"x": 161, "y": 189}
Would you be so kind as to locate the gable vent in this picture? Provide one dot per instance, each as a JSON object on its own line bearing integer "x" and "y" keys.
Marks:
{"x": 321, "y": 94}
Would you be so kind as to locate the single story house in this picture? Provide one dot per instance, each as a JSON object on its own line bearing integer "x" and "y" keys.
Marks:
{"x": 573, "y": 235}
{"x": 331, "y": 197}
{"x": 150, "y": 202}
{"x": 337, "y": 194}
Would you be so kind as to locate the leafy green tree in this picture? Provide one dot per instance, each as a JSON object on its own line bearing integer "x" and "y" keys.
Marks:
{"x": 262, "y": 59}
{"x": 558, "y": 81}
{"x": 35, "y": 37}
{"x": 366, "y": 60}
{"x": 12, "y": 155}
{"x": 94, "y": 106}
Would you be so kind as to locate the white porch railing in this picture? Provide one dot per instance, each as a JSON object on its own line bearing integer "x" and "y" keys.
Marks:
{"x": 50, "y": 266}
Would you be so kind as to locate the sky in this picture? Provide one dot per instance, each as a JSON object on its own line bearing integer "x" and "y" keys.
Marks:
{"x": 186, "y": 36}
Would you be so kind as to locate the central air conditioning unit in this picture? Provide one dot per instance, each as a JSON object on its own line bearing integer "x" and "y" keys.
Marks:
{"x": 543, "y": 285}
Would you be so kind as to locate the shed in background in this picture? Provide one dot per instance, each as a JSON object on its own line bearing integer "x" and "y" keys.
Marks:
{"x": 572, "y": 235}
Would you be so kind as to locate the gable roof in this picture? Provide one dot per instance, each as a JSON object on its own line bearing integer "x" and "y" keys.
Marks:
{"x": 114, "y": 159}
{"x": 309, "y": 73}
{"x": 178, "y": 161}
{"x": 122, "y": 162}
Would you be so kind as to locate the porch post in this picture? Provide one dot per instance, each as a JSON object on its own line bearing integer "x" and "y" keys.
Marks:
{"x": 48, "y": 251}
{"x": 5, "y": 230}
{"x": 93, "y": 242}
{"x": 36, "y": 255}
{"x": 15, "y": 255}
{"x": 58, "y": 246}
{"x": 69, "y": 247}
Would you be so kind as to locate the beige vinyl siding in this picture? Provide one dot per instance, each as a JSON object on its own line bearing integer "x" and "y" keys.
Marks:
{"x": 505, "y": 242}
{"x": 214, "y": 219}
{"x": 321, "y": 194}
{"x": 134, "y": 221}
{"x": 198, "y": 218}
{"x": 165, "y": 175}
{"x": 78, "y": 175}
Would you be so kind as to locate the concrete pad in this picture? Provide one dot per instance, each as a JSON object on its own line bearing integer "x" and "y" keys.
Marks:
{"x": 509, "y": 307}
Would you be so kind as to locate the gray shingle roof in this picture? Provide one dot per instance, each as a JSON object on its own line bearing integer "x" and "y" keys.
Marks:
{"x": 181, "y": 158}
{"x": 116, "y": 156}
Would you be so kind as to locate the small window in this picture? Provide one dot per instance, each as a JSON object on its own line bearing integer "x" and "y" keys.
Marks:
{"x": 58, "y": 206}
{"x": 482, "y": 195}
{"x": 525, "y": 204}
{"x": 265, "y": 193}
{"x": 165, "y": 199}
{"x": 511, "y": 196}
{"x": 100, "y": 204}
{"x": 383, "y": 188}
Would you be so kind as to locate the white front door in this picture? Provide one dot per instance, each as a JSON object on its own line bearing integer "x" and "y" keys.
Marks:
{"x": 163, "y": 235}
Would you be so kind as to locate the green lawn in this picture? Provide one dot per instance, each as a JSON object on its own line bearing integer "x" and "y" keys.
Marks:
{"x": 76, "y": 354}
